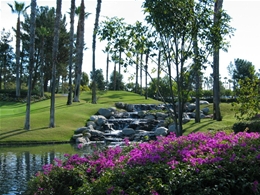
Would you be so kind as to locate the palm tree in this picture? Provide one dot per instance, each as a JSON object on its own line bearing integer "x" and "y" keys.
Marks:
{"x": 79, "y": 50}
{"x": 94, "y": 98}
{"x": 216, "y": 88}
{"x": 42, "y": 32}
{"x": 72, "y": 14}
{"x": 54, "y": 62}
{"x": 31, "y": 63}
{"x": 19, "y": 8}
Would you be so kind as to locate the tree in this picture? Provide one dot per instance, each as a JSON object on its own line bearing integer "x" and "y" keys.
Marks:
{"x": 84, "y": 79}
{"x": 98, "y": 9}
{"x": 72, "y": 14}
{"x": 19, "y": 8}
{"x": 216, "y": 91}
{"x": 99, "y": 79}
{"x": 242, "y": 69}
{"x": 173, "y": 22}
{"x": 247, "y": 104}
{"x": 54, "y": 62}
{"x": 31, "y": 60}
{"x": 119, "y": 81}
{"x": 79, "y": 51}
{"x": 6, "y": 56}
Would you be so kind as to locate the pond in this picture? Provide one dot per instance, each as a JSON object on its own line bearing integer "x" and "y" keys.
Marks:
{"x": 19, "y": 163}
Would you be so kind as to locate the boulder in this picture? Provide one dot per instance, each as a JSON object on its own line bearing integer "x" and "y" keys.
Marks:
{"x": 101, "y": 120}
{"x": 161, "y": 131}
{"x": 149, "y": 117}
{"x": 91, "y": 123}
{"x": 105, "y": 112}
{"x": 120, "y": 105}
{"x": 82, "y": 140}
{"x": 205, "y": 110}
{"x": 128, "y": 131}
{"x": 172, "y": 128}
{"x": 80, "y": 130}
{"x": 130, "y": 107}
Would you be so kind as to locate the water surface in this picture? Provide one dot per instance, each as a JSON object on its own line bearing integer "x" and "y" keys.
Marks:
{"x": 19, "y": 163}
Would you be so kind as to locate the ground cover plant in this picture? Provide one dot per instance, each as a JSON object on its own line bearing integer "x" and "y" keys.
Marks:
{"x": 199, "y": 163}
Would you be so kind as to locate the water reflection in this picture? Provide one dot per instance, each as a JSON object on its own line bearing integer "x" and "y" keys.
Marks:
{"x": 19, "y": 164}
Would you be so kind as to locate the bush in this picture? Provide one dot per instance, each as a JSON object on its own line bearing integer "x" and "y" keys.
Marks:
{"x": 200, "y": 163}
{"x": 250, "y": 126}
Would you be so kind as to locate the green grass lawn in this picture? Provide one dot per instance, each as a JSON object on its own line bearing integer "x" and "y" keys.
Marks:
{"x": 69, "y": 118}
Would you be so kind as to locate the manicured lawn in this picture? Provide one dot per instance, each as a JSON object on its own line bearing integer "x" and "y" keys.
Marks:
{"x": 69, "y": 118}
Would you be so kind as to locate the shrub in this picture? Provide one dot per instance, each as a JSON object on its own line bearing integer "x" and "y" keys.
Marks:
{"x": 200, "y": 163}
{"x": 249, "y": 126}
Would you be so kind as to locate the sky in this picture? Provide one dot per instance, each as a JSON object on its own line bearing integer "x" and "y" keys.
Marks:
{"x": 244, "y": 44}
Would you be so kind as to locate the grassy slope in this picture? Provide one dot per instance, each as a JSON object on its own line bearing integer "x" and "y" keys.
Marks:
{"x": 69, "y": 118}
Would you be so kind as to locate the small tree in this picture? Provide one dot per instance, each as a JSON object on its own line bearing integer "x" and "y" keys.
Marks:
{"x": 248, "y": 99}
{"x": 99, "y": 79}
{"x": 119, "y": 82}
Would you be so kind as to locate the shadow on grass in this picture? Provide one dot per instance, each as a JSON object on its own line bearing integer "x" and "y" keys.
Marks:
{"x": 199, "y": 127}
{"x": 18, "y": 132}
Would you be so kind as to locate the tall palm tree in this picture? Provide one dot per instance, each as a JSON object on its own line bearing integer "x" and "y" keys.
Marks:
{"x": 42, "y": 33}
{"x": 216, "y": 88}
{"x": 31, "y": 63}
{"x": 72, "y": 14}
{"x": 94, "y": 98}
{"x": 18, "y": 8}
{"x": 79, "y": 50}
{"x": 54, "y": 61}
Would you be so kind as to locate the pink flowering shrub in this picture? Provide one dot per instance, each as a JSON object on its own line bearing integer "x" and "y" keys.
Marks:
{"x": 200, "y": 163}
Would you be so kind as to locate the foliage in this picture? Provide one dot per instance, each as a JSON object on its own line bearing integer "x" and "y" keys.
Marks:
{"x": 247, "y": 105}
{"x": 84, "y": 79}
{"x": 99, "y": 77}
{"x": 240, "y": 70}
{"x": 200, "y": 163}
{"x": 248, "y": 126}
{"x": 119, "y": 85}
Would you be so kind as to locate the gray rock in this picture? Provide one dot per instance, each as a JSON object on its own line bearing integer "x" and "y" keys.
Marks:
{"x": 101, "y": 120}
{"x": 172, "y": 128}
{"x": 91, "y": 123}
{"x": 105, "y": 112}
{"x": 191, "y": 107}
{"x": 149, "y": 117}
{"x": 95, "y": 133}
{"x": 128, "y": 131}
{"x": 161, "y": 116}
{"x": 130, "y": 107}
{"x": 161, "y": 131}
{"x": 120, "y": 105}
{"x": 75, "y": 136}
{"x": 82, "y": 140}
{"x": 80, "y": 130}
{"x": 205, "y": 111}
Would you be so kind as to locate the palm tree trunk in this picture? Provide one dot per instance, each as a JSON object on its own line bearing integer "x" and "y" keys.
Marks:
{"x": 141, "y": 75}
{"x": 146, "y": 67}
{"x": 54, "y": 62}
{"x": 18, "y": 39}
{"x": 72, "y": 14}
{"x": 216, "y": 89}
{"x": 107, "y": 69}
{"x": 98, "y": 9}
{"x": 136, "y": 72}
{"x": 31, "y": 63}
{"x": 80, "y": 47}
{"x": 158, "y": 74}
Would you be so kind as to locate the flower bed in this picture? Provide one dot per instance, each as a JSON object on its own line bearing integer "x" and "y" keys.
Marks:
{"x": 200, "y": 163}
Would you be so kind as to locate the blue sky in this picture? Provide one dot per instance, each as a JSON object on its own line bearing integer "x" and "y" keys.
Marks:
{"x": 245, "y": 19}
